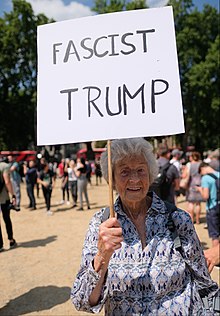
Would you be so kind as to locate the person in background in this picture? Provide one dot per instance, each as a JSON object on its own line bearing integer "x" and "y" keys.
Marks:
{"x": 30, "y": 173}
{"x": 60, "y": 168}
{"x": 65, "y": 183}
{"x": 172, "y": 174}
{"x": 88, "y": 171}
{"x": 72, "y": 178}
{"x": 46, "y": 178}
{"x": 194, "y": 197}
{"x": 6, "y": 188}
{"x": 15, "y": 179}
{"x": 130, "y": 263}
{"x": 209, "y": 192}
{"x": 176, "y": 156}
{"x": 98, "y": 171}
{"x": 40, "y": 165}
{"x": 215, "y": 163}
{"x": 82, "y": 183}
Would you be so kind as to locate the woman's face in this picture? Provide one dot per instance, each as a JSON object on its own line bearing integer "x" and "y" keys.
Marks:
{"x": 131, "y": 179}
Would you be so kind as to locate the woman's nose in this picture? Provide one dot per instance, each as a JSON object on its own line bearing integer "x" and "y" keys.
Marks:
{"x": 134, "y": 175}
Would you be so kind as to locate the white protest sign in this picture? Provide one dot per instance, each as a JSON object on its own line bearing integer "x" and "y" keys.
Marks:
{"x": 108, "y": 76}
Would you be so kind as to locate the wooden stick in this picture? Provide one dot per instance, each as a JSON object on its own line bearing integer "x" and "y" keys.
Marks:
{"x": 112, "y": 213}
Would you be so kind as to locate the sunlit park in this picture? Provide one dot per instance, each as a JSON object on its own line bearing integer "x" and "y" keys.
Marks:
{"x": 66, "y": 90}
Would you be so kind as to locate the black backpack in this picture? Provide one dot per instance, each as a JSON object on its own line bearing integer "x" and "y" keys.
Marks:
{"x": 161, "y": 185}
{"x": 217, "y": 183}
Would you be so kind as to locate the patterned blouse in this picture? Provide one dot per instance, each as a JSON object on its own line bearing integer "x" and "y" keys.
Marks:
{"x": 152, "y": 281}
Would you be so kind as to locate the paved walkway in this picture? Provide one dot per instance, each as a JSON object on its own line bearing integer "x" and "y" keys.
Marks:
{"x": 36, "y": 276}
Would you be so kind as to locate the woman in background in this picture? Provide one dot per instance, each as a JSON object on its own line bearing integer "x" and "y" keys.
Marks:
{"x": 72, "y": 179}
{"x": 193, "y": 197}
{"x": 82, "y": 183}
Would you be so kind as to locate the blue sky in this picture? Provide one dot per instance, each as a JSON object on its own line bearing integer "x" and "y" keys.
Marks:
{"x": 68, "y": 9}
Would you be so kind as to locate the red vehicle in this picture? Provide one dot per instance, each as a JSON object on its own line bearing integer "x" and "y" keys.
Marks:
{"x": 97, "y": 151}
{"x": 24, "y": 155}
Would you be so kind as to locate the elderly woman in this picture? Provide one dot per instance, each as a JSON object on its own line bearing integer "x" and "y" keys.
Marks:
{"x": 130, "y": 262}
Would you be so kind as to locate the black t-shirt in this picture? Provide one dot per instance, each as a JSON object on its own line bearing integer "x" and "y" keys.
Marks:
{"x": 46, "y": 176}
{"x": 31, "y": 176}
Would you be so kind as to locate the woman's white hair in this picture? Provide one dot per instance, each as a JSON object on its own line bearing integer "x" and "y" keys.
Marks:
{"x": 130, "y": 147}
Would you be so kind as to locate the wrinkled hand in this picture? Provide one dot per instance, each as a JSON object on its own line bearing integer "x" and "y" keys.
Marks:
{"x": 110, "y": 238}
{"x": 212, "y": 256}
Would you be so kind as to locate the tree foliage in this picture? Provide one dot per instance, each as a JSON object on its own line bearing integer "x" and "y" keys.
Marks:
{"x": 197, "y": 36}
{"x": 198, "y": 52}
{"x": 18, "y": 62}
{"x": 105, "y": 6}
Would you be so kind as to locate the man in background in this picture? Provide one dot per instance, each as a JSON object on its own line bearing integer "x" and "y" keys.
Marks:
{"x": 30, "y": 172}
{"x": 6, "y": 189}
{"x": 209, "y": 191}
{"x": 15, "y": 179}
{"x": 172, "y": 176}
{"x": 176, "y": 154}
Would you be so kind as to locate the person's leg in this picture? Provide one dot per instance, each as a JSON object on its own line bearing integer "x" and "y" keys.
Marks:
{"x": 85, "y": 184}
{"x": 198, "y": 212}
{"x": 213, "y": 222}
{"x": 49, "y": 194}
{"x": 63, "y": 193}
{"x": 71, "y": 190}
{"x": 80, "y": 190}
{"x": 18, "y": 194}
{"x": 190, "y": 210}
{"x": 7, "y": 219}
{"x": 33, "y": 202}
{"x": 38, "y": 190}
{"x": 17, "y": 191}
{"x": 1, "y": 239}
{"x": 75, "y": 191}
{"x": 29, "y": 195}
{"x": 45, "y": 194}
{"x": 67, "y": 192}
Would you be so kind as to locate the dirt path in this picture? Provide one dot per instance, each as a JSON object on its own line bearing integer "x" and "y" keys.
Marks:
{"x": 36, "y": 277}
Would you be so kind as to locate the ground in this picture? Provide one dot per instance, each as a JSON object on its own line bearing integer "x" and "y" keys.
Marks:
{"x": 37, "y": 275}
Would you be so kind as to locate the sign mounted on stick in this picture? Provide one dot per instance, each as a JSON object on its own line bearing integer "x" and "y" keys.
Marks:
{"x": 109, "y": 76}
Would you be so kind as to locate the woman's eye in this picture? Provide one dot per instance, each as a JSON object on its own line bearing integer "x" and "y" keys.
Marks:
{"x": 124, "y": 173}
{"x": 141, "y": 171}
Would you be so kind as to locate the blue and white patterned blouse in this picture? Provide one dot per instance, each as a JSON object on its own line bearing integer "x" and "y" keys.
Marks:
{"x": 150, "y": 281}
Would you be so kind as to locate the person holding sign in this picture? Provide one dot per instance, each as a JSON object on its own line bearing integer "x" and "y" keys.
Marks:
{"x": 147, "y": 260}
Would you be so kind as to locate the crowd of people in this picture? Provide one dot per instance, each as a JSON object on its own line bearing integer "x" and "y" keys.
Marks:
{"x": 39, "y": 175}
{"x": 148, "y": 186}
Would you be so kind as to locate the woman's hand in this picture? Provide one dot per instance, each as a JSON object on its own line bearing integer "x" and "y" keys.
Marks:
{"x": 212, "y": 256}
{"x": 110, "y": 238}
{"x": 45, "y": 184}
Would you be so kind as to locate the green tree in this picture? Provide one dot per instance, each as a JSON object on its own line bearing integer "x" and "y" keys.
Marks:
{"x": 198, "y": 53}
{"x": 18, "y": 72}
{"x": 105, "y": 6}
